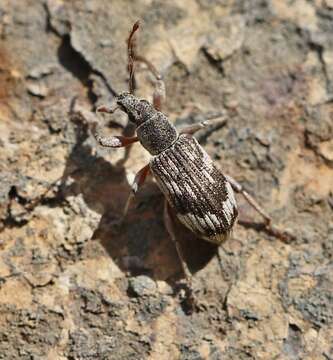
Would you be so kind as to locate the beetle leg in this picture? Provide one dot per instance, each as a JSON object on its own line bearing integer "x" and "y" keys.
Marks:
{"x": 170, "y": 229}
{"x": 107, "y": 109}
{"x": 139, "y": 180}
{"x": 159, "y": 86}
{"x": 115, "y": 141}
{"x": 133, "y": 56}
{"x": 159, "y": 94}
{"x": 149, "y": 65}
{"x": 125, "y": 140}
{"x": 192, "y": 129}
{"x": 238, "y": 188}
{"x": 128, "y": 131}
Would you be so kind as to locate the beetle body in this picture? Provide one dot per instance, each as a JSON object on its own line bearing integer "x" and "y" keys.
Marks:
{"x": 200, "y": 195}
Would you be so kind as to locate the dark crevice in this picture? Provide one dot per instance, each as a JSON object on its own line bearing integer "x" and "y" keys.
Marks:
{"x": 74, "y": 62}
{"x": 49, "y": 28}
{"x": 216, "y": 63}
{"x": 11, "y": 221}
{"x": 293, "y": 344}
{"x": 318, "y": 48}
{"x": 53, "y": 202}
{"x": 320, "y": 52}
{"x": 13, "y": 195}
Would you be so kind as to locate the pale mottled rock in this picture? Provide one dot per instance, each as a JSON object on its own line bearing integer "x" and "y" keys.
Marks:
{"x": 65, "y": 269}
{"x": 228, "y": 39}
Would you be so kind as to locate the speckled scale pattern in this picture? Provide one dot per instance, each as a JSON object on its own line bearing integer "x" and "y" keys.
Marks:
{"x": 198, "y": 192}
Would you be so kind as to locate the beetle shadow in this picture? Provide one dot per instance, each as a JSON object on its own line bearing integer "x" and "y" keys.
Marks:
{"x": 141, "y": 245}
{"x": 100, "y": 183}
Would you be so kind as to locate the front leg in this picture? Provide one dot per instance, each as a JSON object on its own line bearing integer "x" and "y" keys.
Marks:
{"x": 159, "y": 94}
{"x": 115, "y": 141}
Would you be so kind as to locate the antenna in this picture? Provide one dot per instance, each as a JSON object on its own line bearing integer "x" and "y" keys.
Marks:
{"x": 131, "y": 56}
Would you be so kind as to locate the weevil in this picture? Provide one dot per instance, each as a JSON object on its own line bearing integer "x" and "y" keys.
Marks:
{"x": 201, "y": 196}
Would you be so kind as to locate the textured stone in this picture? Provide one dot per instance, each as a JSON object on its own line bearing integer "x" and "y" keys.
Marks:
{"x": 73, "y": 285}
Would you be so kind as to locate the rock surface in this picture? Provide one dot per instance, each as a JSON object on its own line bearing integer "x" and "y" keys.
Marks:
{"x": 74, "y": 287}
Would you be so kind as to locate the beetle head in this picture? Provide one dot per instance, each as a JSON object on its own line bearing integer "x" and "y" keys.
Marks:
{"x": 138, "y": 110}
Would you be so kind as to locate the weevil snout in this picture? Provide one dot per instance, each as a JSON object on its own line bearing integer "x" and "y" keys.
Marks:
{"x": 138, "y": 110}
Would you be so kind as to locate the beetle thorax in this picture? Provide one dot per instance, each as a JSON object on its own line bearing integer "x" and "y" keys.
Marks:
{"x": 154, "y": 130}
{"x": 157, "y": 134}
